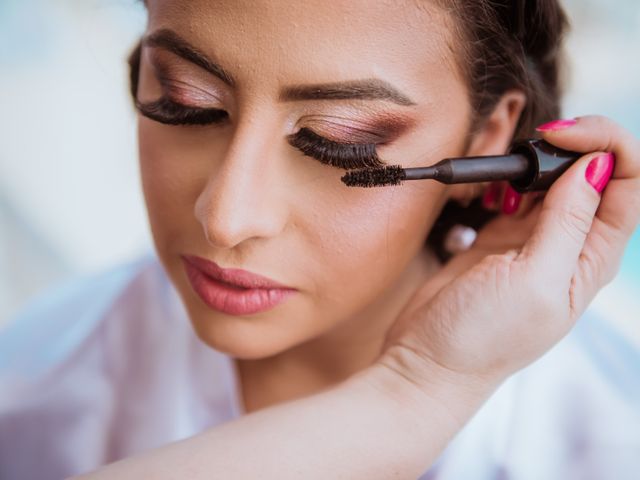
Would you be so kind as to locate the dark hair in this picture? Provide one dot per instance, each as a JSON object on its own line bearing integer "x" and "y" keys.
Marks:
{"x": 503, "y": 45}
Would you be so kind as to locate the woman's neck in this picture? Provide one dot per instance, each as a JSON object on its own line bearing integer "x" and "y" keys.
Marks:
{"x": 333, "y": 357}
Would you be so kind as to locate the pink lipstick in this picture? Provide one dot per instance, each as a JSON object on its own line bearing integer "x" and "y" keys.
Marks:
{"x": 233, "y": 291}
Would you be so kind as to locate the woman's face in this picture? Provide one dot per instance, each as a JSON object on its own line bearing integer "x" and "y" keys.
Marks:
{"x": 238, "y": 189}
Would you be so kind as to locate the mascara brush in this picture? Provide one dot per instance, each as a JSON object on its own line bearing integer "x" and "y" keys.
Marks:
{"x": 530, "y": 165}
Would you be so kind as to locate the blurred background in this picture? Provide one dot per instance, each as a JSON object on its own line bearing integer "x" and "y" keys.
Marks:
{"x": 70, "y": 200}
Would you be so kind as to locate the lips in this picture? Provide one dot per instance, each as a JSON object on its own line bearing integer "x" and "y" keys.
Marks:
{"x": 233, "y": 291}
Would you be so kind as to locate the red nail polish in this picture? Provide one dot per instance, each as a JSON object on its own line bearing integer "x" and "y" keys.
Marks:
{"x": 490, "y": 196}
{"x": 599, "y": 171}
{"x": 556, "y": 125}
{"x": 511, "y": 201}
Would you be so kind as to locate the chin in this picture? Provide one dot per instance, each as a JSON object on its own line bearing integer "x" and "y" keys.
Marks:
{"x": 243, "y": 338}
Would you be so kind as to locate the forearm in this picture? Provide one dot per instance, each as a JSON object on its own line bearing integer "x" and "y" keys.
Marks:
{"x": 370, "y": 427}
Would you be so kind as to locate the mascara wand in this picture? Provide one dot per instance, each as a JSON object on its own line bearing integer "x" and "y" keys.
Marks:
{"x": 530, "y": 165}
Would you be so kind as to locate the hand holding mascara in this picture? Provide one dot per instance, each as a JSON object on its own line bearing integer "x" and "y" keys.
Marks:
{"x": 530, "y": 165}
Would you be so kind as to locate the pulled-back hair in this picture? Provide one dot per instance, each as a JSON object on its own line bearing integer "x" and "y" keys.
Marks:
{"x": 503, "y": 45}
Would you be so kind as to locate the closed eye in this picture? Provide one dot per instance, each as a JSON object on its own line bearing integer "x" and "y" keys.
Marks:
{"x": 346, "y": 156}
{"x": 336, "y": 154}
{"x": 165, "y": 110}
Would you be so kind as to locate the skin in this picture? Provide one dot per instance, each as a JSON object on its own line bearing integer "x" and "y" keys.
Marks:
{"x": 491, "y": 314}
{"x": 240, "y": 195}
{"x": 466, "y": 326}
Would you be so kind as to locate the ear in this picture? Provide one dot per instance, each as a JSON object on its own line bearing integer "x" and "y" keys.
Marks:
{"x": 492, "y": 138}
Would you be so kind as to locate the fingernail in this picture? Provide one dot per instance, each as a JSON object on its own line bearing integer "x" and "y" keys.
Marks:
{"x": 490, "y": 196}
{"x": 511, "y": 201}
{"x": 556, "y": 125}
{"x": 599, "y": 171}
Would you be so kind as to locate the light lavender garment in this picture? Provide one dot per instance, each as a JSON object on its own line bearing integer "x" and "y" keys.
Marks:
{"x": 106, "y": 366}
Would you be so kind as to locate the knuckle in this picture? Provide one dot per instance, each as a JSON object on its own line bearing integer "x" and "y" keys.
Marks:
{"x": 600, "y": 122}
{"x": 592, "y": 266}
{"x": 605, "y": 127}
{"x": 501, "y": 264}
{"x": 575, "y": 221}
{"x": 510, "y": 268}
{"x": 613, "y": 136}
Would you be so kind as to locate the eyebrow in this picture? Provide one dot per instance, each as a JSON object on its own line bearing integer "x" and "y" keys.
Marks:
{"x": 367, "y": 89}
{"x": 171, "y": 41}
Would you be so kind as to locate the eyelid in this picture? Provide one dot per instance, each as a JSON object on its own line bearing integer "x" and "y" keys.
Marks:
{"x": 188, "y": 95}
{"x": 355, "y": 126}
{"x": 171, "y": 76}
{"x": 344, "y": 130}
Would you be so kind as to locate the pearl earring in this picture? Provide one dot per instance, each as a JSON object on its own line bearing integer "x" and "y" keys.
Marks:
{"x": 459, "y": 238}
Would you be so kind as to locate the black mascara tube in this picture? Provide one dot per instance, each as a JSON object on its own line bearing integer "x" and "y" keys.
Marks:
{"x": 530, "y": 165}
{"x": 546, "y": 163}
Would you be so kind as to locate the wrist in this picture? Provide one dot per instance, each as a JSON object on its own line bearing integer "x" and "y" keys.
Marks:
{"x": 453, "y": 396}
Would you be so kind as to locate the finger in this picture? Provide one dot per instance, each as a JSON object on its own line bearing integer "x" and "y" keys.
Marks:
{"x": 565, "y": 219}
{"x": 594, "y": 133}
{"x": 491, "y": 196}
{"x": 619, "y": 212}
{"x": 529, "y": 200}
{"x": 517, "y": 204}
{"x": 511, "y": 200}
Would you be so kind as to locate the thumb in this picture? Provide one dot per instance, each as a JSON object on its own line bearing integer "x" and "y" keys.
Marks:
{"x": 567, "y": 213}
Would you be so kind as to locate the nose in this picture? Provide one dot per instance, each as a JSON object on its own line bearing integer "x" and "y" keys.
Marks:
{"x": 243, "y": 197}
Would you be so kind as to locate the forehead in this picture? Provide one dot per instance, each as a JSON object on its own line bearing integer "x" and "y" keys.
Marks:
{"x": 407, "y": 42}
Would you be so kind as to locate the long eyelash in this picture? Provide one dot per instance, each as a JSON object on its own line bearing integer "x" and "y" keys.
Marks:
{"x": 342, "y": 155}
{"x": 165, "y": 110}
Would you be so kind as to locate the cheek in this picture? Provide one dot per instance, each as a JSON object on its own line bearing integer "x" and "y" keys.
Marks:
{"x": 173, "y": 171}
{"x": 161, "y": 185}
{"x": 367, "y": 242}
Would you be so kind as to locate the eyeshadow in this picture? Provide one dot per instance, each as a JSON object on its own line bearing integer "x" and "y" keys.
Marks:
{"x": 182, "y": 82}
{"x": 382, "y": 128}
{"x": 393, "y": 126}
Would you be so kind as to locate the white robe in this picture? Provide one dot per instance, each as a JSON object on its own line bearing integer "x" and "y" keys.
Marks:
{"x": 103, "y": 367}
